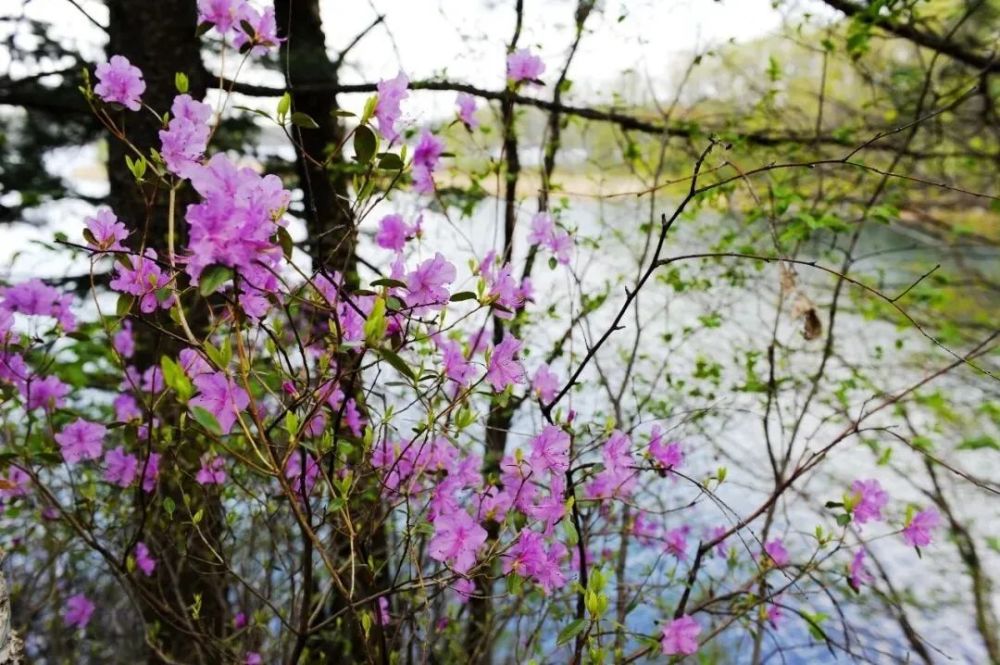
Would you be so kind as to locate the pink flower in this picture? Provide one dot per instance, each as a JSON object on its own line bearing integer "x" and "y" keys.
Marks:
{"x": 774, "y": 615}
{"x": 123, "y": 342}
{"x": 220, "y": 396}
{"x": 265, "y": 31}
{"x": 151, "y": 472}
{"x": 425, "y": 159}
{"x": 917, "y": 531}
{"x": 456, "y": 366}
{"x": 457, "y": 539}
{"x": 503, "y": 287}
{"x": 393, "y": 233}
{"x": 391, "y": 93}
{"x": 545, "y": 384}
{"x": 858, "y": 574}
{"x": 48, "y": 393}
{"x": 240, "y": 621}
{"x": 467, "y": 110}
{"x": 17, "y": 481}
{"x": 550, "y": 450}
{"x": 426, "y": 284}
{"x": 618, "y": 478}
{"x": 81, "y": 440}
{"x": 680, "y": 637}
{"x": 718, "y": 532}
{"x": 352, "y": 417}
{"x": 464, "y": 588}
{"x": 529, "y": 558}
{"x": 119, "y": 82}
{"x": 523, "y": 66}
{"x": 186, "y": 137}
{"x": 120, "y": 467}
{"x": 236, "y": 226}
{"x": 144, "y": 560}
{"x": 143, "y": 280}
{"x": 676, "y": 542}
{"x": 212, "y": 471}
{"x": 670, "y": 455}
{"x": 504, "y": 369}
{"x": 35, "y": 298}
{"x": 253, "y": 658}
{"x": 293, "y": 472}
{"x": 78, "y": 611}
{"x": 106, "y": 230}
{"x": 222, "y": 13}
{"x": 545, "y": 234}
{"x": 382, "y": 617}
{"x": 871, "y": 498}
{"x": 775, "y": 549}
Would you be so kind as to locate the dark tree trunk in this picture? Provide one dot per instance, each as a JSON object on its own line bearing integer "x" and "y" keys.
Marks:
{"x": 159, "y": 38}
{"x": 332, "y": 240}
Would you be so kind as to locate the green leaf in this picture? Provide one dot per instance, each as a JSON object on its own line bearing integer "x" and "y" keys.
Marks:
{"x": 206, "y": 420}
{"x": 304, "y": 120}
{"x": 572, "y": 630}
{"x": 124, "y": 304}
{"x": 181, "y": 82}
{"x": 212, "y": 278}
{"x": 398, "y": 363}
{"x": 365, "y": 144}
{"x": 390, "y": 161}
{"x": 169, "y": 506}
{"x": 176, "y": 379}
{"x": 284, "y": 105}
{"x": 285, "y": 240}
{"x": 979, "y": 443}
{"x": 463, "y": 295}
{"x": 375, "y": 324}
{"x": 389, "y": 282}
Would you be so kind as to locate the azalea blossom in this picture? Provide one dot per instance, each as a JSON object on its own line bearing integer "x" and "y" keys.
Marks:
{"x": 545, "y": 384}
{"x": 523, "y": 66}
{"x": 467, "y": 110}
{"x": 186, "y": 137}
{"x": 106, "y": 231}
{"x": 265, "y": 31}
{"x": 36, "y": 298}
{"x": 48, "y": 393}
{"x": 918, "y": 530}
{"x": 120, "y": 82}
{"x": 78, "y": 611}
{"x": 426, "y": 284}
{"x": 81, "y": 440}
{"x": 223, "y": 14}
{"x": 391, "y": 93}
{"x": 858, "y": 574}
{"x": 550, "y": 450}
{"x": 425, "y": 160}
{"x": 504, "y": 369}
{"x": 775, "y": 550}
{"x": 545, "y": 234}
{"x": 393, "y": 233}
{"x": 680, "y": 636}
{"x": 669, "y": 455}
{"x": 457, "y": 539}
{"x": 212, "y": 471}
{"x": 220, "y": 396}
{"x": 871, "y": 498}
{"x": 120, "y": 467}
{"x": 143, "y": 279}
{"x": 144, "y": 560}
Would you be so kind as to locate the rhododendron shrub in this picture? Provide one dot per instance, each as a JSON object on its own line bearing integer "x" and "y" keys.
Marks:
{"x": 345, "y": 419}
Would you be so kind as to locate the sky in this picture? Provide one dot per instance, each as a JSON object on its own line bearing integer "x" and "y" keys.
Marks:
{"x": 465, "y": 39}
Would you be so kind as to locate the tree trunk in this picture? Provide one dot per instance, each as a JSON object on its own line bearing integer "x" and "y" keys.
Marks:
{"x": 159, "y": 38}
